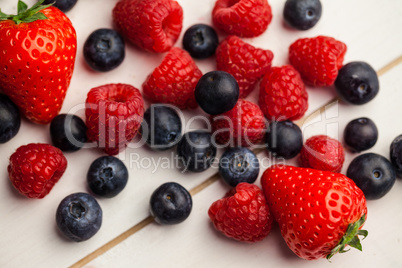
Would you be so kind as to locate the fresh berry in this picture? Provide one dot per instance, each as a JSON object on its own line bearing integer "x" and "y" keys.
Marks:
{"x": 107, "y": 176}
{"x": 114, "y": 114}
{"x": 318, "y": 212}
{"x": 242, "y": 214}
{"x": 104, "y": 50}
{"x": 247, "y": 18}
{"x": 196, "y": 150}
{"x": 239, "y": 165}
{"x": 152, "y": 25}
{"x": 284, "y": 139}
{"x": 174, "y": 80}
{"x": 161, "y": 128}
{"x": 323, "y": 153}
{"x": 63, "y": 5}
{"x": 79, "y": 217}
{"x": 357, "y": 83}
{"x": 170, "y": 204}
{"x": 217, "y": 92}
{"x": 302, "y": 14}
{"x": 10, "y": 119}
{"x": 373, "y": 174}
{"x": 245, "y": 62}
{"x": 35, "y": 168}
{"x": 360, "y": 134}
{"x": 396, "y": 154}
{"x": 283, "y": 95}
{"x": 200, "y": 40}
{"x": 317, "y": 59}
{"x": 244, "y": 125}
{"x": 38, "y": 53}
{"x": 68, "y": 132}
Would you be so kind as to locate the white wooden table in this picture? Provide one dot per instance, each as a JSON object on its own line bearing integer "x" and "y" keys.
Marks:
{"x": 371, "y": 29}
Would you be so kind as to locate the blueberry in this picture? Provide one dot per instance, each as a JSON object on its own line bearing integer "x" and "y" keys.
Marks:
{"x": 79, "y": 216}
{"x": 63, "y": 5}
{"x": 107, "y": 176}
{"x": 170, "y": 204}
{"x": 373, "y": 174}
{"x": 396, "y": 154}
{"x": 360, "y": 134}
{"x": 104, "y": 50}
{"x": 217, "y": 92}
{"x": 284, "y": 139}
{"x": 357, "y": 83}
{"x": 161, "y": 127}
{"x": 302, "y": 14}
{"x": 68, "y": 132}
{"x": 10, "y": 119}
{"x": 201, "y": 41}
{"x": 239, "y": 165}
{"x": 196, "y": 150}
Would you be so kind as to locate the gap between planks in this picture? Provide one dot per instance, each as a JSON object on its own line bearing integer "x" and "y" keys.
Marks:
{"x": 117, "y": 240}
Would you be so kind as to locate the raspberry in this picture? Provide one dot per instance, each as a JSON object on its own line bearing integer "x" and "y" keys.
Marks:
{"x": 113, "y": 113}
{"x": 245, "y": 62}
{"x": 35, "y": 168}
{"x": 246, "y": 18}
{"x": 174, "y": 80}
{"x": 153, "y": 25}
{"x": 243, "y": 214}
{"x": 317, "y": 59}
{"x": 283, "y": 95}
{"x": 323, "y": 153}
{"x": 243, "y": 125}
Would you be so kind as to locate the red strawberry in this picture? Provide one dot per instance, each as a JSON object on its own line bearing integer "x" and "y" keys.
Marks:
{"x": 247, "y": 18}
{"x": 153, "y": 25}
{"x": 114, "y": 114}
{"x": 245, "y": 62}
{"x": 283, "y": 95}
{"x": 319, "y": 212}
{"x": 174, "y": 80}
{"x": 242, "y": 214}
{"x": 35, "y": 168}
{"x": 38, "y": 48}
{"x": 317, "y": 59}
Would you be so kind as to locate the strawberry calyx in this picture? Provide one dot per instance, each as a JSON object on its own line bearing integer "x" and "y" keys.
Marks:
{"x": 26, "y": 14}
{"x": 351, "y": 238}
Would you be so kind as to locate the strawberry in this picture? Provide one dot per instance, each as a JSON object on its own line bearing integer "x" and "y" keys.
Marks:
{"x": 319, "y": 212}
{"x": 38, "y": 48}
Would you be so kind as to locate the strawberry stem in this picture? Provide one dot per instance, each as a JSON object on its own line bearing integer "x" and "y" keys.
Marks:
{"x": 26, "y": 15}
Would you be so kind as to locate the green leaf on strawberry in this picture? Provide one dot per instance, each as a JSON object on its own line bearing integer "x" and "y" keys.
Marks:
{"x": 25, "y": 14}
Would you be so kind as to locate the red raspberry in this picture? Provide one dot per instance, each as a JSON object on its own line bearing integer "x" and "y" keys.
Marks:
{"x": 174, "y": 80}
{"x": 153, "y": 25}
{"x": 35, "y": 168}
{"x": 243, "y": 125}
{"x": 323, "y": 153}
{"x": 245, "y": 62}
{"x": 283, "y": 95}
{"x": 114, "y": 114}
{"x": 243, "y": 214}
{"x": 246, "y": 18}
{"x": 317, "y": 59}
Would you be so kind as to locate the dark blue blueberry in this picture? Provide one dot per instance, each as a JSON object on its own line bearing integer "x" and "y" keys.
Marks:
{"x": 239, "y": 165}
{"x": 10, "y": 119}
{"x": 161, "y": 127}
{"x": 357, "y": 83}
{"x": 68, "y": 132}
{"x": 201, "y": 41}
{"x": 63, "y": 5}
{"x": 79, "y": 216}
{"x": 104, "y": 50}
{"x": 373, "y": 174}
{"x": 302, "y": 14}
{"x": 360, "y": 134}
{"x": 396, "y": 154}
{"x": 284, "y": 139}
{"x": 107, "y": 176}
{"x": 196, "y": 150}
{"x": 217, "y": 92}
{"x": 170, "y": 203}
